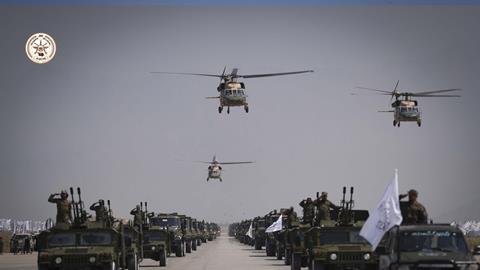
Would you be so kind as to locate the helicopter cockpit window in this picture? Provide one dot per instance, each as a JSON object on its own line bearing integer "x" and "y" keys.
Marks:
{"x": 228, "y": 92}
{"x": 234, "y": 92}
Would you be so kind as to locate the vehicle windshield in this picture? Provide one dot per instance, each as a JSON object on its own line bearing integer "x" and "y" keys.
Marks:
{"x": 95, "y": 239}
{"x": 432, "y": 240}
{"x": 61, "y": 240}
{"x": 341, "y": 237}
{"x": 154, "y": 236}
{"x": 164, "y": 222}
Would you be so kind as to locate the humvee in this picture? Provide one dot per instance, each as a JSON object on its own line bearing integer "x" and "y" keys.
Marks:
{"x": 432, "y": 246}
{"x": 173, "y": 225}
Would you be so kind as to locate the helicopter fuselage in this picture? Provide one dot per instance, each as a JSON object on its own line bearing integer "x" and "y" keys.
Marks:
{"x": 214, "y": 172}
{"x": 406, "y": 111}
{"x": 232, "y": 94}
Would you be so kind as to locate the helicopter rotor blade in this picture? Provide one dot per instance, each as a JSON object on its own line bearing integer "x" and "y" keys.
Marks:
{"x": 376, "y": 90}
{"x": 240, "y": 162}
{"x": 273, "y": 74}
{"x": 223, "y": 74}
{"x": 423, "y": 95}
{"x": 437, "y": 91}
{"x": 211, "y": 97}
{"x": 182, "y": 73}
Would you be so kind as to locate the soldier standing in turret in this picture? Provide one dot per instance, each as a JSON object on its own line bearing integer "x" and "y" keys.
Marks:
{"x": 137, "y": 216}
{"x": 101, "y": 212}
{"x": 413, "y": 212}
{"x": 308, "y": 210}
{"x": 323, "y": 207}
{"x": 64, "y": 207}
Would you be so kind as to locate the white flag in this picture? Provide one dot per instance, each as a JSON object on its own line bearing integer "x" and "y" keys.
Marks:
{"x": 386, "y": 215}
{"x": 250, "y": 231}
{"x": 276, "y": 226}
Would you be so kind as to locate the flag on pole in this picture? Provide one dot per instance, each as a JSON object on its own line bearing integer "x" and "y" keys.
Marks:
{"x": 276, "y": 226}
{"x": 250, "y": 231}
{"x": 386, "y": 215}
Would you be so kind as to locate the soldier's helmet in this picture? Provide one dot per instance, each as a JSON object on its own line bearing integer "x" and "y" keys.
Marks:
{"x": 64, "y": 194}
{"x": 413, "y": 193}
{"x": 324, "y": 194}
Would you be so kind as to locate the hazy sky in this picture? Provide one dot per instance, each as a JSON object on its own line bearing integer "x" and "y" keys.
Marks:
{"x": 95, "y": 117}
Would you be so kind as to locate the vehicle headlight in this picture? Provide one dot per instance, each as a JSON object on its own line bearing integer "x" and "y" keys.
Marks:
{"x": 153, "y": 247}
{"x": 366, "y": 256}
{"x": 58, "y": 260}
{"x": 92, "y": 259}
{"x": 333, "y": 256}
{"x": 404, "y": 267}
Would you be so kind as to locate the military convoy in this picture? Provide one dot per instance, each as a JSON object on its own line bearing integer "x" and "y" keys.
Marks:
{"x": 108, "y": 243}
{"x": 334, "y": 242}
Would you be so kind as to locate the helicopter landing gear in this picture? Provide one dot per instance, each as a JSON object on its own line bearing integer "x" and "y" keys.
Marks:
{"x": 220, "y": 109}
{"x": 246, "y": 108}
{"x": 419, "y": 123}
{"x": 394, "y": 123}
{"x": 398, "y": 125}
{"x": 228, "y": 109}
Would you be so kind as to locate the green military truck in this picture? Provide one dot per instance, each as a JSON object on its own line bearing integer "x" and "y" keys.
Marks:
{"x": 432, "y": 246}
{"x": 156, "y": 240}
{"x": 196, "y": 225}
{"x": 270, "y": 238}
{"x": 86, "y": 244}
{"x": 336, "y": 243}
{"x": 188, "y": 235}
{"x": 259, "y": 233}
{"x": 172, "y": 223}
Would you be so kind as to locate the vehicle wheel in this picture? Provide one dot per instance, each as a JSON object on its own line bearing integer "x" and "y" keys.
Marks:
{"x": 194, "y": 245}
{"x": 111, "y": 266}
{"x": 132, "y": 263}
{"x": 296, "y": 263}
{"x": 316, "y": 265}
{"x": 278, "y": 253}
{"x": 184, "y": 247}
{"x": 258, "y": 245}
{"x": 204, "y": 240}
{"x": 188, "y": 247}
{"x": 220, "y": 109}
{"x": 287, "y": 257}
{"x": 199, "y": 242}
{"x": 179, "y": 250}
{"x": 162, "y": 258}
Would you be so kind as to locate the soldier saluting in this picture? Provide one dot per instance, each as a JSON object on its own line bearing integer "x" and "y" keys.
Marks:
{"x": 413, "y": 212}
{"x": 308, "y": 210}
{"x": 324, "y": 206}
{"x": 64, "y": 207}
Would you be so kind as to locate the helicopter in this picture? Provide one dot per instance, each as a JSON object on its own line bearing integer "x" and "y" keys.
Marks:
{"x": 231, "y": 91}
{"x": 406, "y": 109}
{"x": 215, "y": 170}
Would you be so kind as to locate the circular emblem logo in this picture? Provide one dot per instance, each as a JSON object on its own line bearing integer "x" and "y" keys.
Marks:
{"x": 40, "y": 48}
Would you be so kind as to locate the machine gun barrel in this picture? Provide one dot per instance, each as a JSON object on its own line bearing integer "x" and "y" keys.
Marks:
{"x": 351, "y": 198}
{"x": 343, "y": 200}
{"x": 75, "y": 208}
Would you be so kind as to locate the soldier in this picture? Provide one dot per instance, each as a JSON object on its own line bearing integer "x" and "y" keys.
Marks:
{"x": 308, "y": 210}
{"x": 413, "y": 212}
{"x": 137, "y": 216}
{"x": 291, "y": 216}
{"x": 100, "y": 210}
{"x": 64, "y": 207}
{"x": 323, "y": 207}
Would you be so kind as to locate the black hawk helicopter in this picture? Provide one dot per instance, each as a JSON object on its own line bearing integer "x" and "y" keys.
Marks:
{"x": 231, "y": 91}
{"x": 405, "y": 109}
{"x": 215, "y": 168}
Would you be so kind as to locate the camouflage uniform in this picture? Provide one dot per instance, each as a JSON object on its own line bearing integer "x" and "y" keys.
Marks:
{"x": 323, "y": 207}
{"x": 100, "y": 211}
{"x": 64, "y": 208}
{"x": 137, "y": 216}
{"x": 413, "y": 212}
{"x": 308, "y": 210}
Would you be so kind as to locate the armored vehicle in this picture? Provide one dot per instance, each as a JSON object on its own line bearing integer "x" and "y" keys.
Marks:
{"x": 188, "y": 236}
{"x": 156, "y": 238}
{"x": 259, "y": 234}
{"x": 173, "y": 225}
{"x": 336, "y": 243}
{"x": 18, "y": 240}
{"x": 197, "y": 232}
{"x": 433, "y": 246}
{"x": 85, "y": 244}
{"x": 270, "y": 239}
